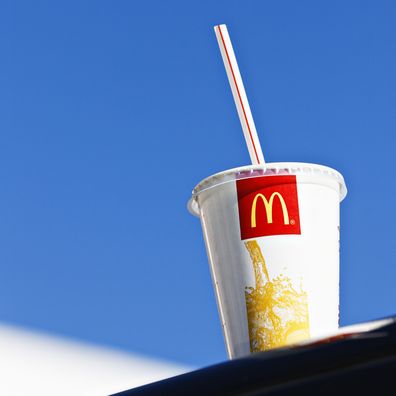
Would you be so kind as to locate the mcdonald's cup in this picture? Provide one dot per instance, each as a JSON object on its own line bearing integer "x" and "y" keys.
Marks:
{"x": 272, "y": 239}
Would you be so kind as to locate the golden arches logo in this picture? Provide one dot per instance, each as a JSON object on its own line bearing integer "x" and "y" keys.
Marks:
{"x": 268, "y": 208}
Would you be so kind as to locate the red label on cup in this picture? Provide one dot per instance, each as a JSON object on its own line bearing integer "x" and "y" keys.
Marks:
{"x": 268, "y": 205}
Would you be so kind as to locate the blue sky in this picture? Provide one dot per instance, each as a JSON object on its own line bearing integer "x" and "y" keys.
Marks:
{"x": 111, "y": 112}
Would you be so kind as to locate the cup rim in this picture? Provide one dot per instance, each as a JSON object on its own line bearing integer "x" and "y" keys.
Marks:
{"x": 269, "y": 169}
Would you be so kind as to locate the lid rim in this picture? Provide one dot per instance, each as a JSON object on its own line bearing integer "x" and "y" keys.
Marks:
{"x": 274, "y": 167}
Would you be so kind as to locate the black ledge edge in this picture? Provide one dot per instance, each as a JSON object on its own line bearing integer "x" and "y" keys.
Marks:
{"x": 362, "y": 362}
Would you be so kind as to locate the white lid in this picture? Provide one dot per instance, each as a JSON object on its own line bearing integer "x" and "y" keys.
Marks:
{"x": 270, "y": 169}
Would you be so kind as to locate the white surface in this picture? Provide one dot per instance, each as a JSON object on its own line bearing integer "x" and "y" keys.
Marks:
{"x": 352, "y": 329}
{"x": 33, "y": 363}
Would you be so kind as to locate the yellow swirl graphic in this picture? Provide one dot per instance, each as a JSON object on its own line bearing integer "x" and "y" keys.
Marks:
{"x": 277, "y": 313}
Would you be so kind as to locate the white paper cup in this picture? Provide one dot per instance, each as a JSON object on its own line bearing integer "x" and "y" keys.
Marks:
{"x": 272, "y": 239}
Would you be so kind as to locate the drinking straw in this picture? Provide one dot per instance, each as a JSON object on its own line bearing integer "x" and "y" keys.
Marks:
{"x": 240, "y": 98}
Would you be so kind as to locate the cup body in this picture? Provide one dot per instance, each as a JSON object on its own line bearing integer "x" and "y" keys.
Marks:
{"x": 272, "y": 239}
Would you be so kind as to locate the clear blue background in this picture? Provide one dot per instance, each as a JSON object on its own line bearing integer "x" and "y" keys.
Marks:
{"x": 111, "y": 112}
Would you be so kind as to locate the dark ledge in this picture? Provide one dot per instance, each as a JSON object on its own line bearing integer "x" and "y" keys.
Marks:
{"x": 354, "y": 362}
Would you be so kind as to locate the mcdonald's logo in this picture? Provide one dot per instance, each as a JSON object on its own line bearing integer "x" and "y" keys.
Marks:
{"x": 268, "y": 208}
{"x": 268, "y": 205}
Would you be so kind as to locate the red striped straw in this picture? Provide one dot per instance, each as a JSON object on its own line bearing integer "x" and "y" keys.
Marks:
{"x": 240, "y": 98}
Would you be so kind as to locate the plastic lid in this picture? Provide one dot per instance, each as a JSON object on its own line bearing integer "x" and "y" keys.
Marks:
{"x": 270, "y": 169}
